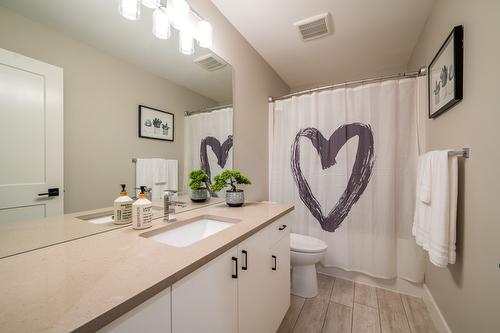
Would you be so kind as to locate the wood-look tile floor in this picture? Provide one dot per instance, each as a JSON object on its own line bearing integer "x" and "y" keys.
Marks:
{"x": 345, "y": 306}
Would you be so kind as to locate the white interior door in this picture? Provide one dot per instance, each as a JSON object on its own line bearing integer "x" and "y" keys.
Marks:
{"x": 31, "y": 138}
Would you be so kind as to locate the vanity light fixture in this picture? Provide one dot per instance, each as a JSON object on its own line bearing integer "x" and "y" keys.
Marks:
{"x": 180, "y": 14}
{"x": 161, "y": 24}
{"x": 130, "y": 9}
{"x": 204, "y": 34}
{"x": 186, "y": 42}
{"x": 151, "y": 3}
{"x": 176, "y": 14}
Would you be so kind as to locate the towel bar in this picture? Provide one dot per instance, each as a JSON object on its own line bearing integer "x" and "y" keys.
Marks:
{"x": 465, "y": 153}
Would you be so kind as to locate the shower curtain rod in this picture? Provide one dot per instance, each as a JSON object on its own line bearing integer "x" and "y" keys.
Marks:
{"x": 421, "y": 72}
{"x": 215, "y": 108}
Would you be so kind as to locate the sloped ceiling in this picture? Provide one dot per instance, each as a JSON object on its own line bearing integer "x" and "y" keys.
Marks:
{"x": 370, "y": 37}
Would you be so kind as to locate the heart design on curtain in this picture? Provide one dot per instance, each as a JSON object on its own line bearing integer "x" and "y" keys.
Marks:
{"x": 328, "y": 150}
{"x": 220, "y": 151}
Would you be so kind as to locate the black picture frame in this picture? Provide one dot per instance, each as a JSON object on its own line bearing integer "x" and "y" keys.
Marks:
{"x": 151, "y": 131}
{"x": 453, "y": 72}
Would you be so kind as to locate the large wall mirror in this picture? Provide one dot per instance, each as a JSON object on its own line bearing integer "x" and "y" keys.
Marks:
{"x": 126, "y": 97}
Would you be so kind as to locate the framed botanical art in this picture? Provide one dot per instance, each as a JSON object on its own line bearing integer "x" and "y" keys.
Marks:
{"x": 155, "y": 124}
{"x": 446, "y": 74}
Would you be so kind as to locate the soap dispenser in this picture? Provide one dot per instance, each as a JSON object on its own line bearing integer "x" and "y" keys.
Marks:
{"x": 142, "y": 211}
{"x": 123, "y": 208}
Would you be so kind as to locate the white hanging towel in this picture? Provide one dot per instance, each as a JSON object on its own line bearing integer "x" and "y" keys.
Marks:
{"x": 143, "y": 172}
{"x": 157, "y": 174}
{"x": 434, "y": 224}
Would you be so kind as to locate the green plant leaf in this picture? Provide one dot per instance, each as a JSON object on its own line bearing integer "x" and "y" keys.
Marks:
{"x": 198, "y": 179}
{"x": 229, "y": 178}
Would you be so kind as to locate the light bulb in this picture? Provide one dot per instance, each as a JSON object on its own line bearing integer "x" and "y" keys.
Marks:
{"x": 151, "y": 3}
{"x": 130, "y": 9}
{"x": 186, "y": 42}
{"x": 204, "y": 34}
{"x": 180, "y": 12}
{"x": 161, "y": 24}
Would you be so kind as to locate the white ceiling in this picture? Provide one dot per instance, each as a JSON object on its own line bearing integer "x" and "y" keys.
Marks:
{"x": 98, "y": 23}
{"x": 370, "y": 37}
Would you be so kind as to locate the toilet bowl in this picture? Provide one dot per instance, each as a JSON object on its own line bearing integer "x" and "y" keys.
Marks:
{"x": 305, "y": 253}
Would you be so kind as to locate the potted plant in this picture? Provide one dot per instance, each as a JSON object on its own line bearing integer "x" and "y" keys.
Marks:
{"x": 229, "y": 178}
{"x": 165, "y": 128}
{"x": 198, "y": 184}
{"x": 157, "y": 124}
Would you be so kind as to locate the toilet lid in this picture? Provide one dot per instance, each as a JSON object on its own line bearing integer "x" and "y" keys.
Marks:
{"x": 307, "y": 244}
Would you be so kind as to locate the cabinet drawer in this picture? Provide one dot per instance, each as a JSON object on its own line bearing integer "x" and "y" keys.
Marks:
{"x": 278, "y": 229}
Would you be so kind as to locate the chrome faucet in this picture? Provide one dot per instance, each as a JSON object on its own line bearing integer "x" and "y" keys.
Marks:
{"x": 169, "y": 204}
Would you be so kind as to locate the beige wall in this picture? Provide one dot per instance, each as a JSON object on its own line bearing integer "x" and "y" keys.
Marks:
{"x": 101, "y": 96}
{"x": 253, "y": 81}
{"x": 468, "y": 292}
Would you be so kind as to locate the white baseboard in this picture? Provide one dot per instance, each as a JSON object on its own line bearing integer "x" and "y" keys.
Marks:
{"x": 436, "y": 315}
{"x": 398, "y": 285}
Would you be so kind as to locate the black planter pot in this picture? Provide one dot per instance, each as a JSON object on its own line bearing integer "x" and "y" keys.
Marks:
{"x": 235, "y": 198}
{"x": 199, "y": 195}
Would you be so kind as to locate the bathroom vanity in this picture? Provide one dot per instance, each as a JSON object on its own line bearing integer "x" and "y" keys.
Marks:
{"x": 231, "y": 274}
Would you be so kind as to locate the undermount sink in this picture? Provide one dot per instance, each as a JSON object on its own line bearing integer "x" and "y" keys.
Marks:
{"x": 98, "y": 218}
{"x": 188, "y": 232}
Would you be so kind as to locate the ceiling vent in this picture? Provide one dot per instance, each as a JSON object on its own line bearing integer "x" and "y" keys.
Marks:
{"x": 314, "y": 27}
{"x": 210, "y": 62}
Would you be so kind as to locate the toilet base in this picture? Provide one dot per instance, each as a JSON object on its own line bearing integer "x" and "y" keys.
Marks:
{"x": 304, "y": 281}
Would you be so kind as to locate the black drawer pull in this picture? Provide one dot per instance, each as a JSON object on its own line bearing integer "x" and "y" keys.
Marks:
{"x": 282, "y": 227}
{"x": 235, "y": 275}
{"x": 244, "y": 266}
{"x": 275, "y": 263}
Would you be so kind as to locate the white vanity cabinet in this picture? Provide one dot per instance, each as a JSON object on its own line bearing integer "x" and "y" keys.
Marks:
{"x": 244, "y": 290}
{"x": 206, "y": 300}
{"x": 264, "y": 279}
{"x": 152, "y": 316}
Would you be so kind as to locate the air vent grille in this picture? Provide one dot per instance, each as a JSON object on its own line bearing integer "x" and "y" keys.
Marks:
{"x": 314, "y": 27}
{"x": 210, "y": 62}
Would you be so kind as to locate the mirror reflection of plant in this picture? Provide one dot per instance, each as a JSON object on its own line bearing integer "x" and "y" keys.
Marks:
{"x": 228, "y": 178}
{"x": 451, "y": 73}
{"x": 437, "y": 88}
{"x": 444, "y": 76}
{"x": 148, "y": 123}
{"x": 198, "y": 180}
{"x": 157, "y": 122}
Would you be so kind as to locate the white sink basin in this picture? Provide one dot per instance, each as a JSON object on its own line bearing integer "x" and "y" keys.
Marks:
{"x": 189, "y": 232}
{"x": 98, "y": 218}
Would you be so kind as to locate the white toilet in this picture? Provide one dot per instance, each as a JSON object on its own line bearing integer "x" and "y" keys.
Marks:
{"x": 305, "y": 253}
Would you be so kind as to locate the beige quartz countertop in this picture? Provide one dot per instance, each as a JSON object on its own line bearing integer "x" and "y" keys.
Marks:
{"x": 21, "y": 236}
{"x": 86, "y": 283}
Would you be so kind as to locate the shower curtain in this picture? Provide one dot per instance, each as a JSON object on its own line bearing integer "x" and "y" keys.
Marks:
{"x": 208, "y": 142}
{"x": 346, "y": 158}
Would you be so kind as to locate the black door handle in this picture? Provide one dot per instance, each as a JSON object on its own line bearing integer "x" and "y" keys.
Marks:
{"x": 235, "y": 275}
{"x": 51, "y": 192}
{"x": 275, "y": 263}
{"x": 282, "y": 227}
{"x": 244, "y": 266}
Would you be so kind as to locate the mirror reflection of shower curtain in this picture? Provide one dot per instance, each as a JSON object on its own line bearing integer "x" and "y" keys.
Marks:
{"x": 346, "y": 158}
{"x": 208, "y": 136}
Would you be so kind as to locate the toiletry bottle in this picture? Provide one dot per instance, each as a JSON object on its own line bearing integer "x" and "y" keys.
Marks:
{"x": 123, "y": 208}
{"x": 142, "y": 212}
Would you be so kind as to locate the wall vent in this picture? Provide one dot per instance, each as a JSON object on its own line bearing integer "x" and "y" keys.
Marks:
{"x": 210, "y": 62}
{"x": 314, "y": 27}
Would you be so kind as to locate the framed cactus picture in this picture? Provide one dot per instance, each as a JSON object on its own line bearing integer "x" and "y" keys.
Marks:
{"x": 445, "y": 74}
{"x": 155, "y": 124}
